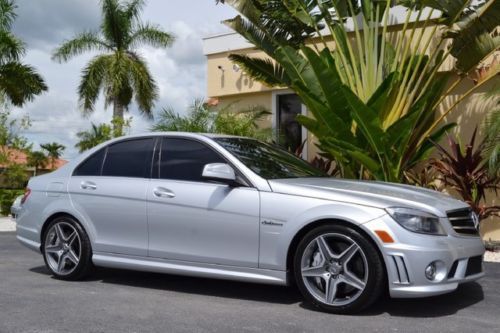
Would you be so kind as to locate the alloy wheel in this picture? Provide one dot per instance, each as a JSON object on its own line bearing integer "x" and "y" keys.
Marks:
{"x": 334, "y": 269}
{"x": 63, "y": 248}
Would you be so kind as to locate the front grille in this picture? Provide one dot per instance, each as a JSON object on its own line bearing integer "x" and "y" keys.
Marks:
{"x": 474, "y": 266}
{"x": 462, "y": 222}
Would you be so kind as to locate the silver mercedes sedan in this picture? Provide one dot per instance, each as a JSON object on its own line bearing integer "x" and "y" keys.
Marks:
{"x": 239, "y": 209}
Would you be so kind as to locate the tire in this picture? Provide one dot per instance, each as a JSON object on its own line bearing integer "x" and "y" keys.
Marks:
{"x": 66, "y": 249}
{"x": 349, "y": 268}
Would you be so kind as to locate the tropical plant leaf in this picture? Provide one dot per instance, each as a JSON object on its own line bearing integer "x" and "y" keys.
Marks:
{"x": 263, "y": 70}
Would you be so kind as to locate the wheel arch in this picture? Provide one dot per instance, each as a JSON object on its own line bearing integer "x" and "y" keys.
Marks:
{"x": 333, "y": 221}
{"x": 52, "y": 218}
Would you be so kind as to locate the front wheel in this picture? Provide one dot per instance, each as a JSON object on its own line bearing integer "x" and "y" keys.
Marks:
{"x": 338, "y": 270}
{"x": 66, "y": 249}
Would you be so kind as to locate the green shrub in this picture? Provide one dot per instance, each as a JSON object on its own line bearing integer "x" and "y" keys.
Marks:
{"x": 7, "y": 197}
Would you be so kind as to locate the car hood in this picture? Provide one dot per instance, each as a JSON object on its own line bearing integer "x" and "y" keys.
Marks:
{"x": 369, "y": 193}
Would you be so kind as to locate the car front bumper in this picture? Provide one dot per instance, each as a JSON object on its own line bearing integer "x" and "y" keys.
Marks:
{"x": 458, "y": 259}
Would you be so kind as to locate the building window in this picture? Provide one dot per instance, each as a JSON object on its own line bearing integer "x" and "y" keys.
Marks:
{"x": 288, "y": 128}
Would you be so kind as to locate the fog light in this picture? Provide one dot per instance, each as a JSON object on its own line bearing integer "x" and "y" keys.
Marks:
{"x": 430, "y": 271}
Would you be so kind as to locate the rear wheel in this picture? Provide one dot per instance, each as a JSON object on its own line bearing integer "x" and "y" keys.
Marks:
{"x": 66, "y": 249}
{"x": 338, "y": 270}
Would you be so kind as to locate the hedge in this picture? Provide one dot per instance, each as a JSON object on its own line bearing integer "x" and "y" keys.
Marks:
{"x": 7, "y": 197}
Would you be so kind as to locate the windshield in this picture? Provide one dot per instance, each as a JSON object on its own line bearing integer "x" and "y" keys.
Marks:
{"x": 268, "y": 161}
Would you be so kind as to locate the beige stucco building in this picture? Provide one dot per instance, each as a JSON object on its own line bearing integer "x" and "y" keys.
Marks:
{"x": 227, "y": 83}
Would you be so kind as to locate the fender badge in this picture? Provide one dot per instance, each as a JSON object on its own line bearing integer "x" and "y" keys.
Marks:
{"x": 272, "y": 223}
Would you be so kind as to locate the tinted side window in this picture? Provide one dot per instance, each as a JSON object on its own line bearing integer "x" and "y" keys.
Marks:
{"x": 92, "y": 165}
{"x": 131, "y": 158}
{"x": 184, "y": 159}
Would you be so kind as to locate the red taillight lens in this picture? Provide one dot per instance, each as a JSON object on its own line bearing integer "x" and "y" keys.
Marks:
{"x": 26, "y": 195}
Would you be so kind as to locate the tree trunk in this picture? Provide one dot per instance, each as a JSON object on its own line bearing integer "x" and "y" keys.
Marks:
{"x": 118, "y": 110}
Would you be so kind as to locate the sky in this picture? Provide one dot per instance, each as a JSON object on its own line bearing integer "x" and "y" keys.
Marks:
{"x": 179, "y": 71}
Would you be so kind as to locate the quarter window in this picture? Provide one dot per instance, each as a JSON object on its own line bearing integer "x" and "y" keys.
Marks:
{"x": 131, "y": 158}
{"x": 184, "y": 159}
{"x": 92, "y": 165}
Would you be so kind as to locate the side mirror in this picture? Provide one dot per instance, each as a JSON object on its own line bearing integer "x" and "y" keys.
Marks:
{"x": 221, "y": 172}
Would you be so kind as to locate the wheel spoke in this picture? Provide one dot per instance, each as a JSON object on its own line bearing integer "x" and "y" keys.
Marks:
{"x": 324, "y": 249}
{"x": 53, "y": 248}
{"x": 350, "y": 279}
{"x": 347, "y": 255}
{"x": 71, "y": 238}
{"x": 313, "y": 271}
{"x": 59, "y": 233}
{"x": 61, "y": 263}
{"x": 71, "y": 256}
{"x": 331, "y": 290}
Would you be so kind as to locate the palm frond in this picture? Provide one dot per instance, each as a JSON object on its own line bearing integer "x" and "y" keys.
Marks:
{"x": 143, "y": 84}
{"x": 134, "y": 8}
{"x": 252, "y": 33}
{"x": 116, "y": 24}
{"x": 94, "y": 76}
{"x": 11, "y": 48}
{"x": 20, "y": 83}
{"x": 84, "y": 42}
{"x": 7, "y": 14}
{"x": 472, "y": 37}
{"x": 263, "y": 70}
{"x": 149, "y": 34}
{"x": 491, "y": 127}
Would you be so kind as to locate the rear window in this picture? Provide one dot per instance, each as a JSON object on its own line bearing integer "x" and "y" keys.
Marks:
{"x": 131, "y": 158}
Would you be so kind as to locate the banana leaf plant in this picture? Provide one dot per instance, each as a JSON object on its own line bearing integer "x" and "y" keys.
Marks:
{"x": 372, "y": 91}
{"x": 465, "y": 169}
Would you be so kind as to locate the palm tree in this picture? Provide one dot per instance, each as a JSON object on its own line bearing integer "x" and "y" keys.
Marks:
{"x": 54, "y": 151}
{"x": 38, "y": 160}
{"x": 203, "y": 118}
{"x": 19, "y": 83}
{"x": 119, "y": 71}
{"x": 91, "y": 138}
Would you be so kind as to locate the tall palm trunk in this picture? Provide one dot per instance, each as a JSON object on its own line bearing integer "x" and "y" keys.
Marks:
{"x": 118, "y": 111}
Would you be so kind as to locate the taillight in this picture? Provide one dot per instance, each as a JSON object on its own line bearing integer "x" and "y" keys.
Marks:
{"x": 27, "y": 193}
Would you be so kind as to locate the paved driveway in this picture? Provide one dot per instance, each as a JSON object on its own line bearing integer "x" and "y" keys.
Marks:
{"x": 124, "y": 301}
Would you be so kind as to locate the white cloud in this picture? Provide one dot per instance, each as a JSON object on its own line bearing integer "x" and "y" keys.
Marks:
{"x": 180, "y": 71}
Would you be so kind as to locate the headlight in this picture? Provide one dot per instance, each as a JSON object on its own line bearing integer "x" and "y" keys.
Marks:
{"x": 417, "y": 221}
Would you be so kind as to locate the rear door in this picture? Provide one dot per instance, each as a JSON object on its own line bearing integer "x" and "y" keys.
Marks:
{"x": 109, "y": 189}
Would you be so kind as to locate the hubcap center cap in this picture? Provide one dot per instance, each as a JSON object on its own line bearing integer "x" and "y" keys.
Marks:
{"x": 334, "y": 268}
{"x": 65, "y": 247}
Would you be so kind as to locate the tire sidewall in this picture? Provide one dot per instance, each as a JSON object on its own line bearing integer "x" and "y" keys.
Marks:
{"x": 376, "y": 272}
{"x": 85, "y": 263}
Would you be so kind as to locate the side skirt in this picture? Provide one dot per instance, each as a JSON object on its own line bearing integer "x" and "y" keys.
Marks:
{"x": 177, "y": 267}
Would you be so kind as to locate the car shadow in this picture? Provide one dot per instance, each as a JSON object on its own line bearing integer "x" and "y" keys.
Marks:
{"x": 192, "y": 285}
{"x": 466, "y": 295}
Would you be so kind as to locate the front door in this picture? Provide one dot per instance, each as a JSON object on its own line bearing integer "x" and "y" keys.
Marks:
{"x": 194, "y": 220}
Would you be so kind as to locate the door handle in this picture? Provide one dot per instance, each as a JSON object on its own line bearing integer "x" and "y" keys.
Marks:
{"x": 162, "y": 192}
{"x": 86, "y": 185}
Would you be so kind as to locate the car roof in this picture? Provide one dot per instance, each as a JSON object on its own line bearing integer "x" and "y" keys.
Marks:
{"x": 185, "y": 134}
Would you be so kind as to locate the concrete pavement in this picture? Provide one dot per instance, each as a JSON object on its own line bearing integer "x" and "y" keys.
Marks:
{"x": 7, "y": 224}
